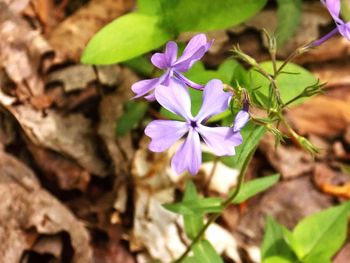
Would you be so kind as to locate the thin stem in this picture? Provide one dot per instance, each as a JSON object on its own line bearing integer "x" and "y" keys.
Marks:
{"x": 224, "y": 205}
{"x": 323, "y": 39}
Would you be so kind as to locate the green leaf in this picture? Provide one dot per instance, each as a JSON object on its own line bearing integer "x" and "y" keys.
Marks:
{"x": 141, "y": 65}
{"x": 126, "y": 37}
{"x": 251, "y": 134}
{"x": 274, "y": 246}
{"x": 322, "y": 234}
{"x": 205, "y": 253}
{"x": 345, "y": 9}
{"x": 254, "y": 187}
{"x": 277, "y": 259}
{"x": 289, "y": 14}
{"x": 190, "y": 259}
{"x": 149, "y": 7}
{"x": 202, "y": 205}
{"x": 291, "y": 85}
{"x": 206, "y": 15}
{"x": 193, "y": 223}
{"x": 132, "y": 116}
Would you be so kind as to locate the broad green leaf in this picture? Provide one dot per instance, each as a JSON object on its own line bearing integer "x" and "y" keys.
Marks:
{"x": 141, "y": 65}
{"x": 206, "y": 15}
{"x": 251, "y": 134}
{"x": 190, "y": 259}
{"x": 274, "y": 246}
{"x": 322, "y": 234}
{"x": 278, "y": 259}
{"x": 126, "y": 37}
{"x": 205, "y": 253}
{"x": 290, "y": 85}
{"x": 254, "y": 187}
{"x": 149, "y": 7}
{"x": 289, "y": 14}
{"x": 193, "y": 223}
{"x": 202, "y": 205}
{"x": 131, "y": 117}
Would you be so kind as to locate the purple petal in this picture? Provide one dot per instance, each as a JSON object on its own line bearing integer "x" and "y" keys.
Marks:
{"x": 344, "y": 30}
{"x": 188, "y": 81}
{"x": 333, "y": 7}
{"x": 143, "y": 87}
{"x": 194, "y": 51}
{"x": 159, "y": 60}
{"x": 175, "y": 98}
{"x": 241, "y": 120}
{"x": 189, "y": 156}
{"x": 164, "y": 133}
{"x": 221, "y": 140}
{"x": 215, "y": 100}
{"x": 170, "y": 52}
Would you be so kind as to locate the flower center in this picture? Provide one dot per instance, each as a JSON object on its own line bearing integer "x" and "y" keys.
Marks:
{"x": 193, "y": 124}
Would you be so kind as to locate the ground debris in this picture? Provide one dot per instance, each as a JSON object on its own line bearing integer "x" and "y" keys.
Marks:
{"x": 31, "y": 219}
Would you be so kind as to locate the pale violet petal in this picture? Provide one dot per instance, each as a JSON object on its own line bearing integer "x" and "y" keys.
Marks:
{"x": 175, "y": 98}
{"x": 143, "y": 87}
{"x": 215, "y": 100}
{"x": 159, "y": 60}
{"x": 221, "y": 140}
{"x": 170, "y": 52}
{"x": 194, "y": 51}
{"x": 189, "y": 155}
{"x": 164, "y": 133}
{"x": 241, "y": 120}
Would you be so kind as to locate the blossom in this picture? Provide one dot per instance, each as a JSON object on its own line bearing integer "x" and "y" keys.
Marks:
{"x": 173, "y": 66}
{"x": 164, "y": 133}
{"x": 241, "y": 120}
{"x": 343, "y": 28}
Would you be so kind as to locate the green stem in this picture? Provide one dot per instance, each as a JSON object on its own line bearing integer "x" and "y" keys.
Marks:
{"x": 224, "y": 204}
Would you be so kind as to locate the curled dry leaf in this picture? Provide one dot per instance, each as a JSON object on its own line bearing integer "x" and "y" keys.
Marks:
{"x": 322, "y": 115}
{"x": 83, "y": 24}
{"x": 21, "y": 50}
{"x": 78, "y": 77}
{"x": 28, "y": 212}
{"x": 331, "y": 182}
{"x": 290, "y": 161}
{"x": 69, "y": 135}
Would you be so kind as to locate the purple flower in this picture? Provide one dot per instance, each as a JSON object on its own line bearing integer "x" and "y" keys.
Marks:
{"x": 173, "y": 66}
{"x": 333, "y": 7}
{"x": 164, "y": 133}
{"x": 241, "y": 120}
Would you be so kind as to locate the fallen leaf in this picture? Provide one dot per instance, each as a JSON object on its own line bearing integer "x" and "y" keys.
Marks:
{"x": 69, "y": 135}
{"x": 321, "y": 115}
{"x": 289, "y": 161}
{"x": 26, "y": 207}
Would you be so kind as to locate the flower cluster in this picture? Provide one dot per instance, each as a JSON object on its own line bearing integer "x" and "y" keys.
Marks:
{"x": 171, "y": 91}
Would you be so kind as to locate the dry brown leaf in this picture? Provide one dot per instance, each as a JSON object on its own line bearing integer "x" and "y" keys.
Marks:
{"x": 288, "y": 202}
{"x": 322, "y": 115}
{"x": 16, "y": 6}
{"x": 26, "y": 207}
{"x": 59, "y": 170}
{"x": 69, "y": 135}
{"x": 21, "y": 50}
{"x": 83, "y": 24}
{"x": 331, "y": 182}
{"x": 343, "y": 255}
{"x": 290, "y": 161}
